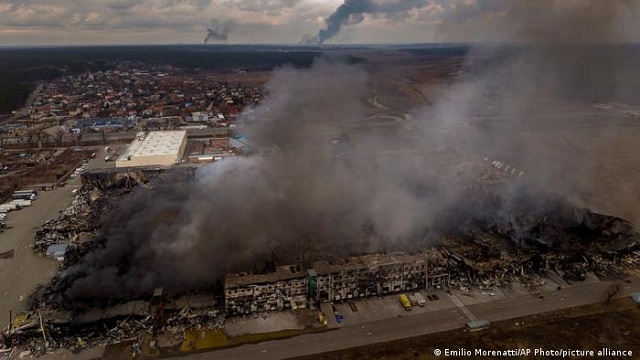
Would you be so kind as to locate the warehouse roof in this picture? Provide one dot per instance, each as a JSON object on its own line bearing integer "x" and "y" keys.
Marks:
{"x": 368, "y": 261}
{"x": 156, "y": 143}
{"x": 281, "y": 273}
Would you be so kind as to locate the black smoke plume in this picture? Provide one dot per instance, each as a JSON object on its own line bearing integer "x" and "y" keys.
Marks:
{"x": 217, "y": 32}
{"x": 352, "y": 12}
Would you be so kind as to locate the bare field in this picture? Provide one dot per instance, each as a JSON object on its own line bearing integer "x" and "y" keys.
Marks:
{"x": 249, "y": 78}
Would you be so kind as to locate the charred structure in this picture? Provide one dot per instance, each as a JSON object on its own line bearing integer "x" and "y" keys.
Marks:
{"x": 291, "y": 287}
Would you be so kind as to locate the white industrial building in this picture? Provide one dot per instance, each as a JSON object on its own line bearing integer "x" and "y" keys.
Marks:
{"x": 199, "y": 117}
{"x": 156, "y": 148}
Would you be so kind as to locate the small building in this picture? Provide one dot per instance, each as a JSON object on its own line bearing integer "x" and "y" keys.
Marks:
{"x": 199, "y": 117}
{"x": 162, "y": 148}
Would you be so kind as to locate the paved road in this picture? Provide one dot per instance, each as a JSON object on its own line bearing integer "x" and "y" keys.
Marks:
{"x": 20, "y": 275}
{"x": 24, "y": 111}
{"x": 413, "y": 325}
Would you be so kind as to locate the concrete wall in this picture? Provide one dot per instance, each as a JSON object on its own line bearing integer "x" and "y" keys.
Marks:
{"x": 147, "y": 160}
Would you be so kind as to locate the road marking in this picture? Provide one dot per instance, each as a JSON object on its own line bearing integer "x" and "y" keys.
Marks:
{"x": 463, "y": 308}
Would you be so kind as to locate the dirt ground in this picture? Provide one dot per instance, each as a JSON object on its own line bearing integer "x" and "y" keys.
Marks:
{"x": 615, "y": 326}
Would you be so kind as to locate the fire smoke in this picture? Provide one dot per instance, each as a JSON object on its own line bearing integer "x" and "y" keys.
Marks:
{"x": 352, "y": 12}
{"x": 299, "y": 197}
{"x": 217, "y": 32}
{"x": 313, "y": 200}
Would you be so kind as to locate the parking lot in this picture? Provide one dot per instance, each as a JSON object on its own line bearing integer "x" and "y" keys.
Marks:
{"x": 24, "y": 271}
{"x": 363, "y": 311}
{"x": 103, "y": 153}
{"x": 380, "y": 308}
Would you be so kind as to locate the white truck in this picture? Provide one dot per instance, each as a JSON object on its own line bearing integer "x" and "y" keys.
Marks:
{"x": 9, "y": 206}
{"x": 21, "y": 203}
{"x": 420, "y": 299}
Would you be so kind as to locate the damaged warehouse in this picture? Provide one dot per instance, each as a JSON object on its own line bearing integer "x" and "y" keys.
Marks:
{"x": 289, "y": 287}
{"x": 286, "y": 288}
{"x": 378, "y": 274}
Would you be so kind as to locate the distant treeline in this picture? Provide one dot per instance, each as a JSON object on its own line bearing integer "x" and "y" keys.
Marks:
{"x": 12, "y": 95}
{"x": 46, "y": 63}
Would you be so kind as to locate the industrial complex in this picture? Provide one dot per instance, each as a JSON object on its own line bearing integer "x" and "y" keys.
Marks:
{"x": 155, "y": 148}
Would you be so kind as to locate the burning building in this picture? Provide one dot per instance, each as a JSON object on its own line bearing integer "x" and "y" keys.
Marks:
{"x": 290, "y": 287}
{"x": 377, "y": 274}
{"x": 286, "y": 288}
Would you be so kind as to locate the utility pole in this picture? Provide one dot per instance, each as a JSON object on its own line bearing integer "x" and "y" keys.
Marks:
{"x": 44, "y": 335}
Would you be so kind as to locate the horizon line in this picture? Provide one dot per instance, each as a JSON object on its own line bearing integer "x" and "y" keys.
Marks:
{"x": 312, "y": 46}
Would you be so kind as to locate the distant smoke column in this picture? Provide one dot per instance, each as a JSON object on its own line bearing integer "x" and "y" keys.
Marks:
{"x": 217, "y": 32}
{"x": 335, "y": 21}
{"x": 352, "y": 11}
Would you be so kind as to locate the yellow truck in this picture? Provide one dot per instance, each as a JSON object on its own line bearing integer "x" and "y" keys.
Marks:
{"x": 404, "y": 300}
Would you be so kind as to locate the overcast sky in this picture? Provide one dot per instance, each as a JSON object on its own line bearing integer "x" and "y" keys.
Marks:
{"x": 54, "y": 22}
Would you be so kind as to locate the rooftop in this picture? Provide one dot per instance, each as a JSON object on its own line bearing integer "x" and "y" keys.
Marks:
{"x": 281, "y": 273}
{"x": 367, "y": 261}
{"x": 155, "y": 143}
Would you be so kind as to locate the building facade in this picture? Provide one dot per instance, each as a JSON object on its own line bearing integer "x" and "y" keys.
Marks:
{"x": 284, "y": 289}
{"x": 291, "y": 287}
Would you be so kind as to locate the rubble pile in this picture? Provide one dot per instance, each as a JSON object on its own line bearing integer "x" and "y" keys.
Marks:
{"x": 194, "y": 319}
{"x": 48, "y": 329}
{"x": 75, "y": 225}
{"x": 496, "y": 243}
{"x": 110, "y": 180}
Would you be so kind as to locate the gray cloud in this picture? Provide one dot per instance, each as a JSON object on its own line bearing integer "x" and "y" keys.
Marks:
{"x": 172, "y": 18}
{"x": 176, "y": 4}
{"x": 545, "y": 20}
{"x": 272, "y": 6}
{"x": 283, "y": 21}
{"x": 122, "y": 5}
